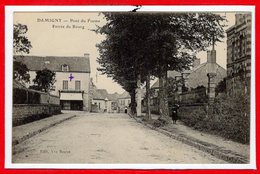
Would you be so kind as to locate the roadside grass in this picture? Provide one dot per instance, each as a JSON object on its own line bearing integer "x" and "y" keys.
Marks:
{"x": 228, "y": 117}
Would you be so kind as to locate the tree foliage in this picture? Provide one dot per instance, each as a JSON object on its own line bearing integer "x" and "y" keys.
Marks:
{"x": 153, "y": 43}
{"x": 44, "y": 80}
{"x": 21, "y": 72}
{"x": 21, "y": 45}
{"x": 221, "y": 86}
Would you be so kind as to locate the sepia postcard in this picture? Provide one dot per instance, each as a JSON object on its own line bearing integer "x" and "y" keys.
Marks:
{"x": 130, "y": 87}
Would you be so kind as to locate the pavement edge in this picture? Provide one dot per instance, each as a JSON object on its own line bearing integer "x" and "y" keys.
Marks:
{"x": 31, "y": 134}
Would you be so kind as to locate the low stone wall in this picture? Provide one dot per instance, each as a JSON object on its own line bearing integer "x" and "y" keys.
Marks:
{"x": 25, "y": 113}
{"x": 55, "y": 100}
{"x": 194, "y": 96}
{"x": 46, "y": 98}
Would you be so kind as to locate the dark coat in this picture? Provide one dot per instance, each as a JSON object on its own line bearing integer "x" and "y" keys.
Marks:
{"x": 174, "y": 112}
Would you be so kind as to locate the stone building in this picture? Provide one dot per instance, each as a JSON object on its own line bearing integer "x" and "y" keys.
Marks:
{"x": 239, "y": 54}
{"x": 124, "y": 101}
{"x": 198, "y": 75}
{"x": 101, "y": 101}
{"x": 72, "y": 78}
{"x": 206, "y": 75}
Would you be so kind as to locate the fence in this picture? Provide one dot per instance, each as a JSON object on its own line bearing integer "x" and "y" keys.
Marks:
{"x": 30, "y": 105}
{"x": 29, "y": 96}
{"x": 194, "y": 96}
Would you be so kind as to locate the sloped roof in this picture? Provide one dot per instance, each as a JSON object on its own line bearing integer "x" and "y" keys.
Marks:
{"x": 198, "y": 76}
{"x": 97, "y": 94}
{"x": 198, "y": 67}
{"x": 53, "y": 63}
{"x": 172, "y": 74}
{"x": 125, "y": 94}
{"x": 209, "y": 67}
{"x": 113, "y": 96}
{"x": 100, "y": 94}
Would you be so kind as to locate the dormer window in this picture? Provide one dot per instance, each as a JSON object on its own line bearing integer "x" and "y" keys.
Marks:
{"x": 64, "y": 67}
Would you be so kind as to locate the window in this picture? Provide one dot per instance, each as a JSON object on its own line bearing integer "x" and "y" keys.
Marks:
{"x": 64, "y": 67}
{"x": 233, "y": 51}
{"x": 65, "y": 85}
{"x": 77, "y": 85}
{"x": 241, "y": 45}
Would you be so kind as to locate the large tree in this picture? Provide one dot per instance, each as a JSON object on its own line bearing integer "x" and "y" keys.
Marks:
{"x": 44, "y": 80}
{"x": 21, "y": 45}
{"x": 120, "y": 52}
{"x": 175, "y": 40}
{"x": 20, "y": 72}
{"x": 139, "y": 45}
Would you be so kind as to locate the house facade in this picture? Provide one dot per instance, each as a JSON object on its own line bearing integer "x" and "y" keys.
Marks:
{"x": 239, "y": 54}
{"x": 114, "y": 102}
{"x": 72, "y": 78}
{"x": 124, "y": 101}
{"x": 197, "y": 76}
{"x": 101, "y": 101}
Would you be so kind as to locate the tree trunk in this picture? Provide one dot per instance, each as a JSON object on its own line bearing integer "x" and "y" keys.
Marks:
{"x": 163, "y": 96}
{"x": 139, "y": 96}
{"x": 148, "y": 97}
{"x": 133, "y": 103}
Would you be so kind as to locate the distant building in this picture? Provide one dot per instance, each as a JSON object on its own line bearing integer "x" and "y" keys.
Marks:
{"x": 114, "y": 101}
{"x": 239, "y": 54}
{"x": 101, "y": 101}
{"x": 124, "y": 101}
{"x": 197, "y": 76}
{"x": 72, "y": 78}
{"x": 193, "y": 79}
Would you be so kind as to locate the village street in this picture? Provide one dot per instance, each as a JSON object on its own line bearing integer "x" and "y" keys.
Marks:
{"x": 106, "y": 138}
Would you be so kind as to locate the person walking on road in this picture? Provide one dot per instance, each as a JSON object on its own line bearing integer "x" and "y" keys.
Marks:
{"x": 174, "y": 112}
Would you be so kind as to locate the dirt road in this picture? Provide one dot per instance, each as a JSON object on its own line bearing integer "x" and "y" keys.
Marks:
{"x": 106, "y": 138}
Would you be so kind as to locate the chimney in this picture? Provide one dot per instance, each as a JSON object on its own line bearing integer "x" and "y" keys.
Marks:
{"x": 211, "y": 56}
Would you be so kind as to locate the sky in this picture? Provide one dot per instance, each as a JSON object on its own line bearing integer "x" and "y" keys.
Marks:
{"x": 70, "y": 34}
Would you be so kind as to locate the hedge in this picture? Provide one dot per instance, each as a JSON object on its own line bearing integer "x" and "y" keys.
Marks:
{"x": 228, "y": 117}
{"x": 23, "y": 96}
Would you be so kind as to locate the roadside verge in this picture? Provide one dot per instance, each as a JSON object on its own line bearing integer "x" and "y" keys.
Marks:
{"x": 221, "y": 152}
